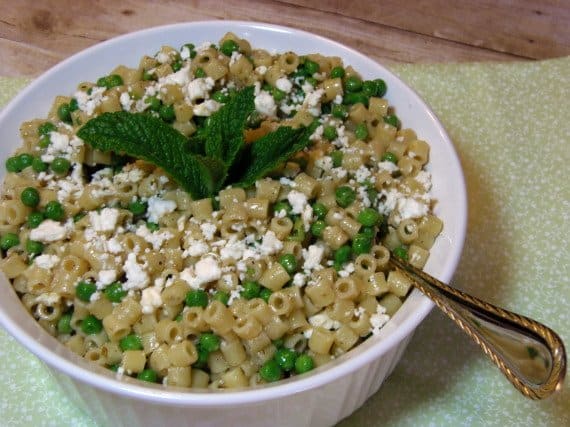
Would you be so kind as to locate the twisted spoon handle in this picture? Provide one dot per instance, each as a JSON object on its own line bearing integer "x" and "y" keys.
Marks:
{"x": 530, "y": 355}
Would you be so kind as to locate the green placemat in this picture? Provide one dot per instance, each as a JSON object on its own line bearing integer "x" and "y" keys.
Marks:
{"x": 511, "y": 126}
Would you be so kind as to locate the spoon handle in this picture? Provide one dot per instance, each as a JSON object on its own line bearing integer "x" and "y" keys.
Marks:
{"x": 530, "y": 355}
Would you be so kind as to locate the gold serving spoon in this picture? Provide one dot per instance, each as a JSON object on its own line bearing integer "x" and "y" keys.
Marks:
{"x": 531, "y": 355}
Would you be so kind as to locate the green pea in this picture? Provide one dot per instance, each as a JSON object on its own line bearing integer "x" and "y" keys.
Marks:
{"x": 39, "y": 166}
{"x": 320, "y": 210}
{"x": 283, "y": 205}
{"x": 64, "y": 324}
{"x": 304, "y": 363}
{"x": 336, "y": 157}
{"x": 401, "y": 252}
{"x": 209, "y": 342}
{"x": 153, "y": 103}
{"x": 91, "y": 325}
{"x": 369, "y": 88}
{"x": 289, "y": 263}
{"x": 330, "y": 133}
{"x": 339, "y": 111}
{"x": 392, "y": 120}
{"x": 285, "y": 358}
{"x": 389, "y": 157}
{"x": 278, "y": 94}
{"x": 45, "y": 128}
{"x": 84, "y": 290}
{"x": 64, "y": 113}
{"x": 73, "y": 106}
{"x": 9, "y": 240}
{"x": 26, "y": 160}
{"x": 250, "y": 290}
{"x": 318, "y": 227}
{"x": 221, "y": 296}
{"x": 152, "y": 226}
{"x": 35, "y": 219}
{"x": 381, "y": 87}
{"x": 369, "y": 232}
{"x": 60, "y": 166}
{"x": 345, "y": 196}
{"x": 137, "y": 207}
{"x": 270, "y": 371}
{"x": 33, "y": 247}
{"x": 148, "y": 375}
{"x": 176, "y": 66}
{"x": 54, "y": 210}
{"x": 361, "y": 244}
{"x": 110, "y": 81}
{"x": 337, "y": 72}
{"x": 311, "y": 67}
{"x": 312, "y": 81}
{"x": 228, "y": 47}
{"x": 131, "y": 342}
{"x": 115, "y": 292}
{"x": 197, "y": 298}
{"x": 361, "y": 131}
{"x": 30, "y": 197}
{"x": 148, "y": 76}
{"x": 220, "y": 97}
{"x": 265, "y": 293}
{"x": 355, "y": 98}
{"x": 342, "y": 254}
{"x": 166, "y": 113}
{"x": 298, "y": 232}
{"x": 352, "y": 84}
{"x": 202, "y": 360}
{"x": 368, "y": 217}
{"x": 13, "y": 164}
{"x": 45, "y": 141}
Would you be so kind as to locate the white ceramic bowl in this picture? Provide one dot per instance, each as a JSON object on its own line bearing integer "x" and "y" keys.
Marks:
{"x": 320, "y": 398}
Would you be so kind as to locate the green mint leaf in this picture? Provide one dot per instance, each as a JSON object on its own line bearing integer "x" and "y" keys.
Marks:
{"x": 271, "y": 150}
{"x": 223, "y": 136}
{"x": 150, "y": 139}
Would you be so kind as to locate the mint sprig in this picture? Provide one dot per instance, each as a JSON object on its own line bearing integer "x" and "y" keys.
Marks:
{"x": 216, "y": 156}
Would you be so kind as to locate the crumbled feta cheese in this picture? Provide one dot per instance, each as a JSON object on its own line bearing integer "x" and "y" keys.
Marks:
{"x": 158, "y": 207}
{"x": 61, "y": 146}
{"x": 206, "y": 270}
{"x": 424, "y": 178}
{"x": 407, "y": 207}
{"x": 235, "y": 57}
{"x": 325, "y": 163}
{"x": 265, "y": 104}
{"x": 179, "y": 78}
{"x": 155, "y": 238}
{"x": 270, "y": 244}
{"x": 150, "y": 299}
{"x": 362, "y": 174}
{"x": 388, "y": 166}
{"x": 46, "y": 262}
{"x": 185, "y": 52}
{"x": 318, "y": 135}
{"x": 114, "y": 246}
{"x": 132, "y": 175}
{"x": 208, "y": 230}
{"x": 347, "y": 270}
{"x": 324, "y": 321}
{"x": 313, "y": 102}
{"x": 261, "y": 70}
{"x": 200, "y": 88}
{"x": 106, "y": 277}
{"x": 88, "y": 102}
{"x": 196, "y": 248}
{"x": 137, "y": 277}
{"x": 284, "y": 84}
{"x": 297, "y": 200}
{"x": 233, "y": 250}
{"x": 105, "y": 220}
{"x": 299, "y": 279}
{"x": 162, "y": 57}
{"x": 49, "y": 231}
{"x": 378, "y": 319}
{"x": 126, "y": 101}
{"x": 313, "y": 257}
{"x": 206, "y": 108}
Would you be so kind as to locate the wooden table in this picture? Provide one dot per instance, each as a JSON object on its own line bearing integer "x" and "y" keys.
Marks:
{"x": 35, "y": 35}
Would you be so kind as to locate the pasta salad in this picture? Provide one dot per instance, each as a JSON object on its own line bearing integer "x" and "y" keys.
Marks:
{"x": 220, "y": 216}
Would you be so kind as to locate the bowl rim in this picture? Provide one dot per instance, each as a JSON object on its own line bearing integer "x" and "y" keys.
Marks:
{"x": 172, "y": 396}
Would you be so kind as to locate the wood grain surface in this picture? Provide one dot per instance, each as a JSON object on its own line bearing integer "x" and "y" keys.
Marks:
{"x": 35, "y": 35}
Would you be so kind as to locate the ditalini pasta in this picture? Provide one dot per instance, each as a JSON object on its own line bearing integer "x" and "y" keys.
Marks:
{"x": 121, "y": 265}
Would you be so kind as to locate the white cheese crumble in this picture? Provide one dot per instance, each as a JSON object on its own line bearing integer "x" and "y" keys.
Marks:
{"x": 200, "y": 88}
{"x": 158, "y": 207}
{"x": 105, "y": 220}
{"x": 106, "y": 277}
{"x": 297, "y": 200}
{"x": 265, "y": 104}
{"x": 137, "y": 277}
{"x": 284, "y": 84}
{"x": 46, "y": 262}
{"x": 378, "y": 319}
{"x": 313, "y": 257}
{"x": 270, "y": 244}
{"x": 206, "y": 108}
{"x": 155, "y": 238}
{"x": 206, "y": 270}
{"x": 88, "y": 102}
{"x": 324, "y": 321}
{"x": 49, "y": 231}
{"x": 150, "y": 299}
